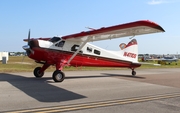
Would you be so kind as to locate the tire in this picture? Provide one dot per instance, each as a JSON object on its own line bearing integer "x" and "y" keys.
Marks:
{"x": 133, "y": 73}
{"x": 58, "y": 76}
{"x": 36, "y": 72}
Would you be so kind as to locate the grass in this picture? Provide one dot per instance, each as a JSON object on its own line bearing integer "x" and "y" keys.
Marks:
{"x": 172, "y": 65}
{"x": 17, "y": 64}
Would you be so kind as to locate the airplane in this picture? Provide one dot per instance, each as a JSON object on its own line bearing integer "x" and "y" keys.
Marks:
{"x": 75, "y": 49}
{"x": 165, "y": 59}
{"x": 169, "y": 59}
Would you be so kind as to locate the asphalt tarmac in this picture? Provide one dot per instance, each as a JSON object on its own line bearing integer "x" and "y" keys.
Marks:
{"x": 107, "y": 91}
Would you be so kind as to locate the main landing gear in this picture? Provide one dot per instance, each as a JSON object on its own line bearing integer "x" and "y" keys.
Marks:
{"x": 37, "y": 72}
{"x": 58, "y": 75}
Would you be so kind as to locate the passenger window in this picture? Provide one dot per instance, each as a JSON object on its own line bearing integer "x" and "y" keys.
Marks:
{"x": 97, "y": 52}
{"x": 74, "y": 47}
{"x": 89, "y": 49}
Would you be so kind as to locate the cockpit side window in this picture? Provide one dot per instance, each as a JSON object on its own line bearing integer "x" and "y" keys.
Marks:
{"x": 60, "y": 44}
{"x": 55, "y": 39}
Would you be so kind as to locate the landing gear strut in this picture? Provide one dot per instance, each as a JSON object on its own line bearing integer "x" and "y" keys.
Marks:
{"x": 39, "y": 71}
{"x": 58, "y": 75}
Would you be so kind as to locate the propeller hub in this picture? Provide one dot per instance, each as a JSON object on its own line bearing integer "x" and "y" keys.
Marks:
{"x": 26, "y": 47}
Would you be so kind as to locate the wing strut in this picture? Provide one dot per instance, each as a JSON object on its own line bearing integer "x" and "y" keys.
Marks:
{"x": 82, "y": 45}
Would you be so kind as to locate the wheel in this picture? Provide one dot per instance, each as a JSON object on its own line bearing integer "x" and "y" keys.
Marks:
{"x": 37, "y": 73}
{"x": 58, "y": 76}
{"x": 133, "y": 73}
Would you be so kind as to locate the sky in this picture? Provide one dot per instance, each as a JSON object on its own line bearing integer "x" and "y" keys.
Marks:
{"x": 48, "y": 18}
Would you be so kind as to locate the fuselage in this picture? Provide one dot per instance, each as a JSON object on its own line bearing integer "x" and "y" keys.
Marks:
{"x": 56, "y": 51}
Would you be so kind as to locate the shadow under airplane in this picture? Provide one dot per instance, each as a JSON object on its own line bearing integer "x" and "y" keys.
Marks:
{"x": 42, "y": 91}
{"x": 120, "y": 75}
{"x": 39, "y": 89}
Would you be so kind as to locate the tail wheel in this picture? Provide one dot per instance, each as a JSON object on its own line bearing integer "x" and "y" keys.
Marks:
{"x": 37, "y": 73}
{"x": 58, "y": 76}
{"x": 133, "y": 73}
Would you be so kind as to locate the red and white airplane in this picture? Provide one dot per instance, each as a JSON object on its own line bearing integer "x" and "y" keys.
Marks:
{"x": 74, "y": 49}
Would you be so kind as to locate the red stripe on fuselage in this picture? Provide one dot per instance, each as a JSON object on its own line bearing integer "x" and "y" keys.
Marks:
{"x": 54, "y": 56}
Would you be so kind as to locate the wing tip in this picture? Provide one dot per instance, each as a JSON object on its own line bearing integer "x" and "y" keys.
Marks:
{"x": 157, "y": 26}
{"x": 160, "y": 28}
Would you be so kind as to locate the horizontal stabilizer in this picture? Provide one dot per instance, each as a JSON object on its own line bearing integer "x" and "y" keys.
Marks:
{"x": 145, "y": 63}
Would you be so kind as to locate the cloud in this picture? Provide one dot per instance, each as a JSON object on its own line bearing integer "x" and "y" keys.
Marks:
{"x": 156, "y": 2}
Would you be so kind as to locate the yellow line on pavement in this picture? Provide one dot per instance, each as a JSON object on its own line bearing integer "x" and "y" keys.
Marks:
{"x": 97, "y": 104}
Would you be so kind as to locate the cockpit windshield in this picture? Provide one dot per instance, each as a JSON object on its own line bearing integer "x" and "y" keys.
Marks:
{"x": 55, "y": 39}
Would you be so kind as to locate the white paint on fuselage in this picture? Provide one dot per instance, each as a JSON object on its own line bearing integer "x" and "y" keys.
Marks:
{"x": 45, "y": 44}
{"x": 119, "y": 55}
{"x": 109, "y": 54}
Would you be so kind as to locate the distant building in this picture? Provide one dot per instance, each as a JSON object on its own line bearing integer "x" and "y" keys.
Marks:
{"x": 4, "y": 55}
{"x": 12, "y": 54}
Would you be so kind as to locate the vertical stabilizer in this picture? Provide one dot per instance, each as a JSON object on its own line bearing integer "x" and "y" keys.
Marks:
{"x": 130, "y": 50}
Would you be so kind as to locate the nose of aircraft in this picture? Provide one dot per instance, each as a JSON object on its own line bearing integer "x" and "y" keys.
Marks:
{"x": 29, "y": 47}
{"x": 30, "y": 44}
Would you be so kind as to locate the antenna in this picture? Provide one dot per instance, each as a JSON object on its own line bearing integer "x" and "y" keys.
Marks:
{"x": 90, "y": 28}
{"x": 132, "y": 37}
{"x": 106, "y": 47}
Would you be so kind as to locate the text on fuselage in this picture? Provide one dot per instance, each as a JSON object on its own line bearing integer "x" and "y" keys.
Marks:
{"x": 128, "y": 54}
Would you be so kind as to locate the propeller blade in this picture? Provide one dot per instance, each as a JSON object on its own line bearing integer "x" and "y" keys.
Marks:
{"x": 29, "y": 36}
{"x": 23, "y": 57}
{"x": 31, "y": 51}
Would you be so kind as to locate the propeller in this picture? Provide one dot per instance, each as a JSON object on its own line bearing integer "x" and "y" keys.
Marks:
{"x": 27, "y": 47}
{"x": 29, "y": 35}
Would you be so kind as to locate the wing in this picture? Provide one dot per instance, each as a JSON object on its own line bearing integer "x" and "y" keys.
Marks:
{"x": 117, "y": 31}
